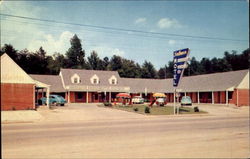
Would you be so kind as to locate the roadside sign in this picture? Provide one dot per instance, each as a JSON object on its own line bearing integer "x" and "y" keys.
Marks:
{"x": 180, "y": 63}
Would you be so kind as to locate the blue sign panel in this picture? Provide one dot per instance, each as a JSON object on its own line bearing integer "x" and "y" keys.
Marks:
{"x": 180, "y": 60}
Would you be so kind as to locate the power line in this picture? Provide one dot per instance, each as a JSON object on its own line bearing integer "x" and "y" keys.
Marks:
{"x": 108, "y": 32}
{"x": 120, "y": 29}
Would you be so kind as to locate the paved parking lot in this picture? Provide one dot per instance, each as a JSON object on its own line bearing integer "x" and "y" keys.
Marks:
{"x": 88, "y": 131}
{"x": 86, "y": 112}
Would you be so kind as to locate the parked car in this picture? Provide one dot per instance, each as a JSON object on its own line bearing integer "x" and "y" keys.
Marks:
{"x": 53, "y": 99}
{"x": 186, "y": 100}
{"x": 137, "y": 100}
{"x": 160, "y": 101}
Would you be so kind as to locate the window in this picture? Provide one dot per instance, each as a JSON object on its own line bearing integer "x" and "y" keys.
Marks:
{"x": 96, "y": 96}
{"x": 113, "y": 80}
{"x": 75, "y": 80}
{"x": 230, "y": 95}
{"x": 94, "y": 79}
{"x": 79, "y": 95}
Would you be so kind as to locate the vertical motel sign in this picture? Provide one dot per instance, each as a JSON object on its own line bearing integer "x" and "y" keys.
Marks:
{"x": 180, "y": 63}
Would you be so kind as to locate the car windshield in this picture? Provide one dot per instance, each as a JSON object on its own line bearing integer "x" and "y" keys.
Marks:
{"x": 187, "y": 97}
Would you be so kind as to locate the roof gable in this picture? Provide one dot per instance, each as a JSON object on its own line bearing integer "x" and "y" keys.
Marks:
{"x": 12, "y": 73}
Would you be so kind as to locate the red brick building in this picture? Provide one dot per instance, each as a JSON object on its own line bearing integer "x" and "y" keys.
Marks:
{"x": 17, "y": 87}
{"x": 92, "y": 86}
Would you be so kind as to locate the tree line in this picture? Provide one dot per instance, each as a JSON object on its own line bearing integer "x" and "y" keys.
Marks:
{"x": 40, "y": 63}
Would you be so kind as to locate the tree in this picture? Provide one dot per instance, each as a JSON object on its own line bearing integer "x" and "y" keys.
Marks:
{"x": 148, "y": 70}
{"x": 115, "y": 63}
{"x": 55, "y": 63}
{"x": 194, "y": 68}
{"x": 10, "y": 50}
{"x": 129, "y": 69}
{"x": 75, "y": 54}
{"x": 105, "y": 62}
{"x": 206, "y": 66}
{"x": 162, "y": 73}
{"x": 170, "y": 69}
{"x": 95, "y": 62}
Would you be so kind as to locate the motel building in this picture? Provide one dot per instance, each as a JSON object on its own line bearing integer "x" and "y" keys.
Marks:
{"x": 22, "y": 91}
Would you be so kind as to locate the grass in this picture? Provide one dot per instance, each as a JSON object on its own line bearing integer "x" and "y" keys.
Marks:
{"x": 156, "y": 110}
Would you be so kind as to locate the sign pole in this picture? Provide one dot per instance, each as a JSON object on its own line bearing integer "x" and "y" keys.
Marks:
{"x": 174, "y": 99}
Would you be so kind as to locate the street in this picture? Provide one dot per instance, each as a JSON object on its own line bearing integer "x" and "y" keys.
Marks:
{"x": 199, "y": 136}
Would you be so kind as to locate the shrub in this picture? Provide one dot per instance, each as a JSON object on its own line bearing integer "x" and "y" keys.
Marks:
{"x": 147, "y": 110}
{"x": 136, "y": 109}
{"x": 196, "y": 109}
{"x": 107, "y": 104}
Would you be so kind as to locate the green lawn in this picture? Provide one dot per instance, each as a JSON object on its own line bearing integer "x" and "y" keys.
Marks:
{"x": 156, "y": 110}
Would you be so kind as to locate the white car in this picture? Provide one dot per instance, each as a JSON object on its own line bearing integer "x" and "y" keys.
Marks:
{"x": 160, "y": 101}
{"x": 137, "y": 100}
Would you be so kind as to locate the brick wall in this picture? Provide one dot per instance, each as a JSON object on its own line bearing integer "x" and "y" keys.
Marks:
{"x": 72, "y": 97}
{"x": 243, "y": 97}
{"x": 17, "y": 96}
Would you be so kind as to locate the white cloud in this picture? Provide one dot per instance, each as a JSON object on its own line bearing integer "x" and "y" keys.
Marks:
{"x": 107, "y": 51}
{"x": 166, "y": 23}
{"x": 51, "y": 44}
{"x": 140, "y": 20}
{"x": 171, "y": 42}
{"x": 32, "y": 35}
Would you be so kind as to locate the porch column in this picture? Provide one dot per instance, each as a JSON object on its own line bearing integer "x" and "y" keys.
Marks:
{"x": 47, "y": 95}
{"x": 226, "y": 97}
{"x": 212, "y": 97}
{"x": 37, "y": 96}
{"x": 87, "y": 95}
{"x": 42, "y": 92}
{"x": 198, "y": 95}
{"x": 237, "y": 100}
{"x": 68, "y": 96}
{"x": 109, "y": 94}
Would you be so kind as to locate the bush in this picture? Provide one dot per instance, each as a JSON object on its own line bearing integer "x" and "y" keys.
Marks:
{"x": 147, "y": 110}
{"x": 136, "y": 109}
{"x": 196, "y": 109}
{"x": 107, "y": 104}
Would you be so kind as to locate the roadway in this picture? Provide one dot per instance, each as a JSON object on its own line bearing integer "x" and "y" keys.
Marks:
{"x": 157, "y": 137}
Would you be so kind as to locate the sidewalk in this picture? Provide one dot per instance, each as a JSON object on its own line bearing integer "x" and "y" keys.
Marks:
{"x": 20, "y": 116}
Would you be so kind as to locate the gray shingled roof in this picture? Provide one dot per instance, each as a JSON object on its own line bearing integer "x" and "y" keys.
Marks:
{"x": 54, "y": 81}
{"x": 202, "y": 83}
{"x": 212, "y": 82}
{"x": 138, "y": 85}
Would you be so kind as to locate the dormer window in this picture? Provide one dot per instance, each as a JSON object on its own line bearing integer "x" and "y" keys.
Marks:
{"x": 113, "y": 80}
{"x": 95, "y": 79}
{"x": 75, "y": 78}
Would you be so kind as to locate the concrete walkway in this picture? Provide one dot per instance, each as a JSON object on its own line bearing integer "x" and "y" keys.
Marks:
{"x": 20, "y": 116}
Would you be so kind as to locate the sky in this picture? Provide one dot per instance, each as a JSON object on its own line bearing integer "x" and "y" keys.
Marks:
{"x": 136, "y": 30}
